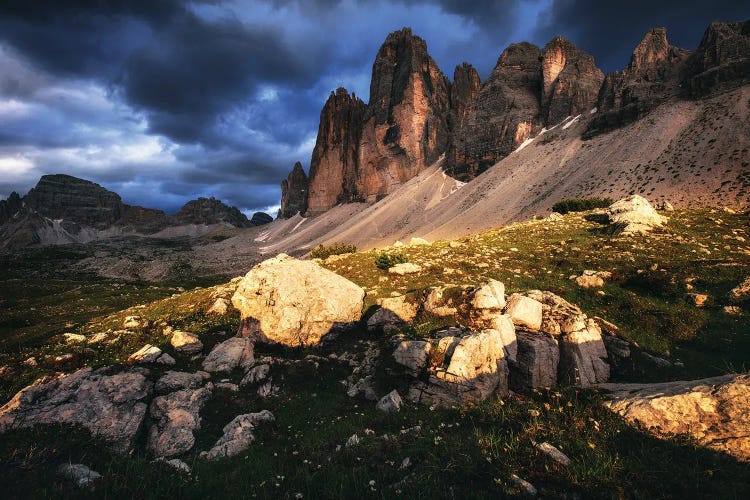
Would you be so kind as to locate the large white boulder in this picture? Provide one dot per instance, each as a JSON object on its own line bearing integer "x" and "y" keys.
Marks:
{"x": 233, "y": 353}
{"x": 295, "y": 302}
{"x": 714, "y": 411}
{"x": 525, "y": 312}
{"x": 634, "y": 214}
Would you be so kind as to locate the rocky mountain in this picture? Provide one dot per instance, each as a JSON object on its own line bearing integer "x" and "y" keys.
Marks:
{"x": 294, "y": 191}
{"x": 210, "y": 211}
{"x": 65, "y": 209}
{"x": 405, "y": 128}
{"x": 333, "y": 167}
{"x": 415, "y": 114}
{"x": 652, "y": 76}
{"x": 721, "y": 60}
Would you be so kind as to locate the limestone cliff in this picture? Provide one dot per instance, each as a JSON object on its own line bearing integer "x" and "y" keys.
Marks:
{"x": 722, "y": 59}
{"x": 210, "y": 211}
{"x": 504, "y": 113}
{"x": 570, "y": 81}
{"x": 294, "y": 193}
{"x": 652, "y": 76}
{"x": 405, "y": 126}
{"x": 333, "y": 167}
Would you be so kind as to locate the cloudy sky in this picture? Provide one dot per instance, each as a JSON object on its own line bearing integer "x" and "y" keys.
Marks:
{"x": 163, "y": 101}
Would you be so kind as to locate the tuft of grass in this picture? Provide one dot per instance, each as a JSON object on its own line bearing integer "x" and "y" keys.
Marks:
{"x": 387, "y": 260}
{"x": 580, "y": 204}
{"x": 323, "y": 251}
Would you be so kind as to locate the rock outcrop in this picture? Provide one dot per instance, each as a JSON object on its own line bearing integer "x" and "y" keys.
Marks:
{"x": 570, "y": 81}
{"x": 633, "y": 215}
{"x": 10, "y": 207}
{"x": 238, "y": 434}
{"x": 405, "y": 127}
{"x": 109, "y": 406}
{"x": 176, "y": 418}
{"x": 295, "y": 302}
{"x": 504, "y": 113}
{"x": 466, "y": 85}
{"x": 294, "y": 193}
{"x": 260, "y": 218}
{"x": 652, "y": 76}
{"x": 713, "y": 411}
{"x": 333, "y": 167}
{"x": 721, "y": 60}
{"x": 210, "y": 211}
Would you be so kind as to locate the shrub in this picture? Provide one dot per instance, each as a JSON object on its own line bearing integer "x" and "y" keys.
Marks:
{"x": 580, "y": 204}
{"x": 388, "y": 260}
{"x": 322, "y": 251}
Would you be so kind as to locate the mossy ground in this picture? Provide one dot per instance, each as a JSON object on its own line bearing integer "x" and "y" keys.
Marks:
{"x": 458, "y": 452}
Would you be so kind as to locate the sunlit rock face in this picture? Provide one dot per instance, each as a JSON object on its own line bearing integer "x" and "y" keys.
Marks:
{"x": 571, "y": 81}
{"x": 406, "y": 123}
{"x": 333, "y": 167}
{"x": 503, "y": 113}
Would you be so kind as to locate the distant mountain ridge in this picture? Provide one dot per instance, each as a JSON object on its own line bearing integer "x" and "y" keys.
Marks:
{"x": 415, "y": 115}
{"x": 64, "y": 209}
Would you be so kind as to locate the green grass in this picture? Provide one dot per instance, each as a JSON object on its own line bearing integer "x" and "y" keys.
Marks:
{"x": 458, "y": 453}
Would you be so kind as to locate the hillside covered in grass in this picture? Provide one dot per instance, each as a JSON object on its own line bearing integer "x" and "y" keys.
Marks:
{"x": 476, "y": 450}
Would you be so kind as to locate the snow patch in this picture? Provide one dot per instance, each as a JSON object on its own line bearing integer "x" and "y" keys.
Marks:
{"x": 571, "y": 122}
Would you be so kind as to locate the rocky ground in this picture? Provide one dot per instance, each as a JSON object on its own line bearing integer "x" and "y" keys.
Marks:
{"x": 457, "y": 379}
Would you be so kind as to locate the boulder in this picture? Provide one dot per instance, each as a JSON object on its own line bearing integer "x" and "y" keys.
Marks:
{"x": 295, "y": 302}
{"x": 712, "y": 411}
{"x": 257, "y": 373}
{"x": 390, "y": 403}
{"x": 489, "y": 296}
{"x": 238, "y": 434}
{"x": 592, "y": 279}
{"x": 554, "y": 453}
{"x": 633, "y": 215}
{"x": 585, "y": 354}
{"x": 697, "y": 299}
{"x": 233, "y": 353}
{"x": 186, "y": 342}
{"x": 478, "y": 364}
{"x": 415, "y": 242}
{"x": 394, "y": 312}
{"x": 537, "y": 362}
{"x": 80, "y": 474}
{"x": 146, "y": 354}
{"x": 109, "y": 406}
{"x": 524, "y": 312}
{"x": 412, "y": 354}
{"x": 173, "y": 381}
{"x": 176, "y": 418}
{"x": 405, "y": 268}
{"x": 219, "y": 307}
{"x": 741, "y": 292}
{"x": 132, "y": 322}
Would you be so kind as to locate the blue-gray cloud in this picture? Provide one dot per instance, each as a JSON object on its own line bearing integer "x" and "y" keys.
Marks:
{"x": 167, "y": 100}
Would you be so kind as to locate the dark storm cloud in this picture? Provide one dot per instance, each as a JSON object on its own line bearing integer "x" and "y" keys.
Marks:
{"x": 611, "y": 30}
{"x": 166, "y": 100}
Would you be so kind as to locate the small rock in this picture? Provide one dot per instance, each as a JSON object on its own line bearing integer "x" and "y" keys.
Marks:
{"x": 73, "y": 338}
{"x": 418, "y": 242}
{"x": 79, "y": 473}
{"x": 238, "y": 434}
{"x": 405, "y": 463}
{"x": 227, "y": 386}
{"x": 96, "y": 338}
{"x": 176, "y": 464}
{"x": 132, "y": 322}
{"x": 555, "y": 454}
{"x": 405, "y": 268}
{"x": 166, "y": 359}
{"x": 412, "y": 354}
{"x": 697, "y": 299}
{"x": 352, "y": 441}
{"x": 30, "y": 362}
{"x": 173, "y": 381}
{"x": 219, "y": 307}
{"x": 186, "y": 342}
{"x": 390, "y": 403}
{"x": 268, "y": 389}
{"x": 233, "y": 353}
{"x": 146, "y": 354}
{"x": 525, "y": 312}
{"x": 256, "y": 374}
{"x": 741, "y": 292}
{"x": 526, "y": 486}
{"x": 732, "y": 310}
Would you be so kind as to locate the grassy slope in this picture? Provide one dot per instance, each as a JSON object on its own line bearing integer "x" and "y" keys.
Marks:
{"x": 458, "y": 452}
